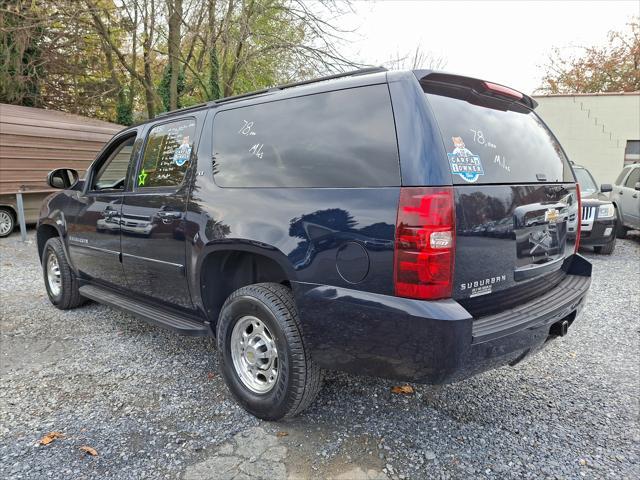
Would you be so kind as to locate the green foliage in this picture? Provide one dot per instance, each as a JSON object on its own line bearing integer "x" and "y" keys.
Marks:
{"x": 124, "y": 109}
{"x": 110, "y": 58}
{"x": 613, "y": 67}
{"x": 163, "y": 87}
{"x": 20, "y": 56}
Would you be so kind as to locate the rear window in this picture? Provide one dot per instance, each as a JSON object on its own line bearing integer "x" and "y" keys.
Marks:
{"x": 344, "y": 138}
{"x": 486, "y": 145}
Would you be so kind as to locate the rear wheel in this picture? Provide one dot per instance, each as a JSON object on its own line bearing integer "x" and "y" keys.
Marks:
{"x": 606, "y": 249}
{"x": 263, "y": 357}
{"x": 7, "y": 222}
{"x": 61, "y": 283}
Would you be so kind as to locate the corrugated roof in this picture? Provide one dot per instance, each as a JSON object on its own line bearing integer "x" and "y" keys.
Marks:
{"x": 34, "y": 141}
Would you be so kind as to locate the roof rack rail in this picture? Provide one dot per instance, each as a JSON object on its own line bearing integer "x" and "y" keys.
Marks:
{"x": 180, "y": 110}
{"x": 351, "y": 73}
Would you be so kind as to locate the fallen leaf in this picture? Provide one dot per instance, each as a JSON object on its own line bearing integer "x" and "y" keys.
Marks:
{"x": 282, "y": 434}
{"x": 89, "y": 450}
{"x": 572, "y": 354}
{"x": 210, "y": 375}
{"x": 403, "y": 389}
{"x": 50, "y": 437}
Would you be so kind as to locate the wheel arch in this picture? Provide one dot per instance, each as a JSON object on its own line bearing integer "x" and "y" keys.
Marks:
{"x": 11, "y": 208}
{"x": 224, "y": 269}
{"x": 46, "y": 231}
{"x": 619, "y": 214}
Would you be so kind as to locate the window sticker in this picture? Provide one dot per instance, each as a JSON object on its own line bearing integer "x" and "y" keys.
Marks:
{"x": 167, "y": 154}
{"x": 464, "y": 163}
{"x": 183, "y": 152}
{"x": 142, "y": 178}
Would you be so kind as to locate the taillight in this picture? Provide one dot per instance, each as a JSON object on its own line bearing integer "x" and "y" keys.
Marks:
{"x": 578, "y": 219}
{"x": 425, "y": 243}
{"x": 502, "y": 90}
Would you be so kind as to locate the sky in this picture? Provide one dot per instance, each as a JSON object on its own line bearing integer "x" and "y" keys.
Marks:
{"x": 504, "y": 42}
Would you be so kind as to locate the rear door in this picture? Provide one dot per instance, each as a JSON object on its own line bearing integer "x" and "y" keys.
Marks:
{"x": 516, "y": 203}
{"x": 153, "y": 214}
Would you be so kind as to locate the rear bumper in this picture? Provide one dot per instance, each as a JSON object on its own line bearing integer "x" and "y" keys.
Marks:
{"x": 430, "y": 342}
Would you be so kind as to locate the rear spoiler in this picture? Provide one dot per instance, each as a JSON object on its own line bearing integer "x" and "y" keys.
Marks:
{"x": 467, "y": 88}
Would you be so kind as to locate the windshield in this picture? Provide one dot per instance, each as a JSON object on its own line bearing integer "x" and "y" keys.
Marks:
{"x": 584, "y": 178}
{"x": 487, "y": 145}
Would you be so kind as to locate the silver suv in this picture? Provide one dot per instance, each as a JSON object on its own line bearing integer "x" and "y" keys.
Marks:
{"x": 626, "y": 198}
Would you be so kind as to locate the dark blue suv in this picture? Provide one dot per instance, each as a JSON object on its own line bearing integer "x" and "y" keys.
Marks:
{"x": 410, "y": 225}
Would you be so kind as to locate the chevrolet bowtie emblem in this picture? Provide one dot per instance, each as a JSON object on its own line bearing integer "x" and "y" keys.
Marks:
{"x": 552, "y": 215}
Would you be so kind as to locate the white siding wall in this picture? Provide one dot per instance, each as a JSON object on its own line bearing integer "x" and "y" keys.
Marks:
{"x": 593, "y": 129}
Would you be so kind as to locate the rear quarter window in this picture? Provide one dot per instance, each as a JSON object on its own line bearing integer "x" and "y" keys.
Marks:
{"x": 343, "y": 138}
{"x": 486, "y": 145}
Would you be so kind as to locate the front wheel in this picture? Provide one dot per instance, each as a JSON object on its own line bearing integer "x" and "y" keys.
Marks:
{"x": 606, "y": 249}
{"x": 621, "y": 230}
{"x": 263, "y": 357}
{"x": 62, "y": 285}
{"x": 7, "y": 222}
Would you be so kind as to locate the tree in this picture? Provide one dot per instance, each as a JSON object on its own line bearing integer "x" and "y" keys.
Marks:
{"x": 21, "y": 54}
{"x": 52, "y": 58}
{"x": 173, "y": 45}
{"x": 613, "y": 67}
{"x": 125, "y": 60}
{"x": 415, "y": 60}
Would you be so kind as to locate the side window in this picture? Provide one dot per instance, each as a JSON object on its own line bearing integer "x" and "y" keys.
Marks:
{"x": 633, "y": 178}
{"x": 621, "y": 176}
{"x": 112, "y": 173}
{"x": 344, "y": 138}
{"x": 632, "y": 152}
{"x": 167, "y": 154}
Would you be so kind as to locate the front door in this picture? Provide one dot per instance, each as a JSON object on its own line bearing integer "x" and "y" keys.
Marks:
{"x": 153, "y": 215}
{"x": 630, "y": 199}
{"x": 93, "y": 221}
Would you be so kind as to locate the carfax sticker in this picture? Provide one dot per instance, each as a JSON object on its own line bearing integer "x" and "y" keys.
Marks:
{"x": 464, "y": 163}
{"x": 183, "y": 152}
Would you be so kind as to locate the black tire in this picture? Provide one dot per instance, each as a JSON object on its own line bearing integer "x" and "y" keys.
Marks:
{"x": 68, "y": 297}
{"x": 299, "y": 378}
{"x": 8, "y": 220}
{"x": 621, "y": 230}
{"x": 606, "y": 249}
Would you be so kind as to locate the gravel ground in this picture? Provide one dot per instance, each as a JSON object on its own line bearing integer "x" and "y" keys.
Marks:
{"x": 152, "y": 404}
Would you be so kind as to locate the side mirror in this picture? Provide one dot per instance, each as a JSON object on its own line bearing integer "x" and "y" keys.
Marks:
{"x": 637, "y": 186}
{"x": 63, "y": 178}
{"x": 606, "y": 187}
